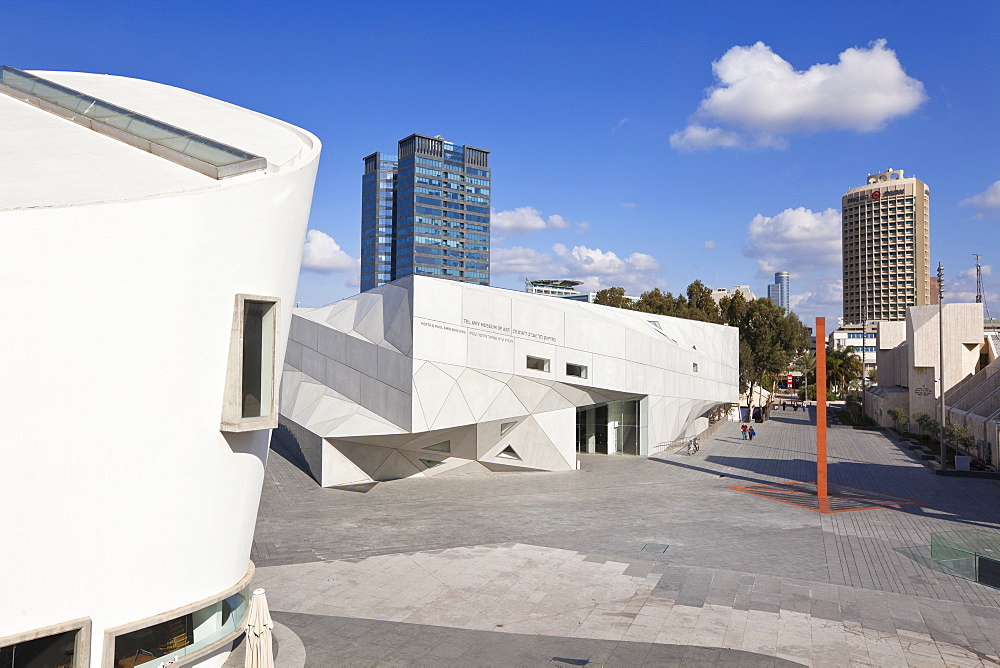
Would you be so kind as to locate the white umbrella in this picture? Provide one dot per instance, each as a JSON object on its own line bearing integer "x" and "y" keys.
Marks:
{"x": 258, "y": 627}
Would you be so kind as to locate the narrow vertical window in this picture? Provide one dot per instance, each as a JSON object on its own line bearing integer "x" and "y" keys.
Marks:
{"x": 250, "y": 401}
{"x": 258, "y": 358}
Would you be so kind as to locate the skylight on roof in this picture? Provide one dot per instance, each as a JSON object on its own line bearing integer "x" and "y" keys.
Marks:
{"x": 185, "y": 148}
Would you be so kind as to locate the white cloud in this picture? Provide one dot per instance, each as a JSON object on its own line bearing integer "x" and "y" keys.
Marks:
{"x": 620, "y": 125}
{"x": 709, "y": 245}
{"x": 522, "y": 261}
{"x": 525, "y": 219}
{"x": 986, "y": 201}
{"x": 596, "y": 268}
{"x": 323, "y": 255}
{"x": 582, "y": 227}
{"x": 759, "y": 97}
{"x": 799, "y": 240}
{"x": 806, "y": 244}
{"x": 628, "y": 205}
{"x": 695, "y": 137}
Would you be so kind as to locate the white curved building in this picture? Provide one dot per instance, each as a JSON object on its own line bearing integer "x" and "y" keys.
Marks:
{"x": 420, "y": 377}
{"x": 150, "y": 242}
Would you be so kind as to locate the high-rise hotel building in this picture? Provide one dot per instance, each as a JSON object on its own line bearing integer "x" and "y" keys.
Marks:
{"x": 886, "y": 247}
{"x": 426, "y": 211}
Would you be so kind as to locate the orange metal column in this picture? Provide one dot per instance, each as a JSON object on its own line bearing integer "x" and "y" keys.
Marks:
{"x": 821, "y": 481}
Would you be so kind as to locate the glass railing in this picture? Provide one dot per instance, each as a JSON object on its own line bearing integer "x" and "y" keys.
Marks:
{"x": 969, "y": 553}
{"x": 192, "y": 150}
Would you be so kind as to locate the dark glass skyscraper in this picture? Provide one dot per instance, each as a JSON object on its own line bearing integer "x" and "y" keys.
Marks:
{"x": 426, "y": 211}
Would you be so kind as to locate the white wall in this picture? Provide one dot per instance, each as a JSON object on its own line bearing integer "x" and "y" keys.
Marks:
{"x": 122, "y": 499}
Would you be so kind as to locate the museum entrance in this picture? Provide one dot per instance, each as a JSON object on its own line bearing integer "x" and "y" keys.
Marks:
{"x": 611, "y": 428}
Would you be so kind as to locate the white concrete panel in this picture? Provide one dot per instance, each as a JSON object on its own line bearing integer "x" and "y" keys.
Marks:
{"x": 487, "y": 311}
{"x": 506, "y": 404}
{"x": 455, "y": 411}
{"x": 438, "y": 342}
{"x": 337, "y": 469}
{"x": 535, "y": 320}
{"x": 490, "y": 352}
{"x": 368, "y": 458}
{"x": 432, "y": 385}
{"x": 341, "y": 317}
{"x": 362, "y": 425}
{"x": 330, "y": 408}
{"x": 395, "y": 467}
{"x": 343, "y": 379}
{"x": 400, "y": 332}
{"x": 529, "y": 392}
{"x": 370, "y": 326}
{"x": 313, "y": 364}
{"x": 361, "y": 355}
{"x": 395, "y": 369}
{"x": 304, "y": 331}
{"x": 480, "y": 391}
{"x": 609, "y": 372}
{"x": 386, "y": 402}
{"x": 332, "y": 343}
{"x": 293, "y": 355}
{"x": 560, "y": 428}
{"x": 553, "y": 401}
{"x": 439, "y": 300}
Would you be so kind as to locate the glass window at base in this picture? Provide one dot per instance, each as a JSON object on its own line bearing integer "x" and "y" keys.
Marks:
{"x": 56, "y": 651}
{"x": 182, "y": 635}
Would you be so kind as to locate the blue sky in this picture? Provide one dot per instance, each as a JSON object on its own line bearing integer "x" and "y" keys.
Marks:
{"x": 642, "y": 144}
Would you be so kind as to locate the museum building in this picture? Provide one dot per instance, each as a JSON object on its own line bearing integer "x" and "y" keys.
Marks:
{"x": 422, "y": 377}
{"x": 152, "y": 239}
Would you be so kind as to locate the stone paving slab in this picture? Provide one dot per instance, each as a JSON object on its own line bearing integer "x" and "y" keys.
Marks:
{"x": 566, "y": 555}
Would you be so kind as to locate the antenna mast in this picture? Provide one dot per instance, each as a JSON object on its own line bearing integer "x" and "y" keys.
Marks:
{"x": 979, "y": 286}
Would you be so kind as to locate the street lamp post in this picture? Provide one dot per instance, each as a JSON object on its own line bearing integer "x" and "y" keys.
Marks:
{"x": 940, "y": 277}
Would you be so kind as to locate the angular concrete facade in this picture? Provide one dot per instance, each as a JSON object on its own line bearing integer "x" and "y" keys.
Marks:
{"x": 424, "y": 377}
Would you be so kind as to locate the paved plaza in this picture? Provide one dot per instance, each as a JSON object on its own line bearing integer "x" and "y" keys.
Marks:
{"x": 629, "y": 562}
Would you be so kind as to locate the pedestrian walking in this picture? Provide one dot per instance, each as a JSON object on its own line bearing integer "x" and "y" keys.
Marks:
{"x": 744, "y": 429}
{"x": 751, "y": 433}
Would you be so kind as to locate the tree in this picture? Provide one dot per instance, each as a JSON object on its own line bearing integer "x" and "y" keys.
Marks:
{"x": 613, "y": 297}
{"x": 898, "y": 417}
{"x": 662, "y": 303}
{"x": 701, "y": 303}
{"x": 769, "y": 338}
{"x": 923, "y": 421}
{"x": 843, "y": 369}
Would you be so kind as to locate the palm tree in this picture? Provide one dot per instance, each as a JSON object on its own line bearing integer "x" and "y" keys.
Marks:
{"x": 843, "y": 369}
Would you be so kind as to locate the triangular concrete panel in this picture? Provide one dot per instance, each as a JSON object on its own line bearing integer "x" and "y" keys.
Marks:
{"x": 395, "y": 467}
{"x": 496, "y": 375}
{"x": 552, "y": 401}
{"x": 480, "y": 391}
{"x": 370, "y": 326}
{"x": 528, "y": 391}
{"x": 505, "y": 405}
{"x": 432, "y": 385}
{"x": 455, "y": 411}
{"x": 338, "y": 469}
{"x": 400, "y": 330}
{"x": 362, "y": 425}
{"x": 451, "y": 369}
{"x": 306, "y": 399}
{"x": 342, "y": 317}
{"x": 366, "y": 302}
{"x": 418, "y": 421}
{"x": 368, "y": 458}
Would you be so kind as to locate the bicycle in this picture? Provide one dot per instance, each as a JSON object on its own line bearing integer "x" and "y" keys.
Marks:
{"x": 693, "y": 446}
